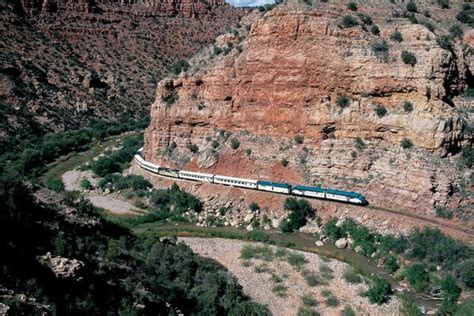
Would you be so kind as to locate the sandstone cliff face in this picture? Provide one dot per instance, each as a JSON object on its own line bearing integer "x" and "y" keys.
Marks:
{"x": 283, "y": 80}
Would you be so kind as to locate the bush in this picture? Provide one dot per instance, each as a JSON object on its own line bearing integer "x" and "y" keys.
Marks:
{"x": 359, "y": 144}
{"x": 411, "y": 7}
{"x": 176, "y": 200}
{"x": 451, "y": 292}
{"x": 465, "y": 272}
{"x": 380, "y": 110}
{"x": 348, "y": 311}
{"x": 417, "y": 277}
{"x": 308, "y": 300}
{"x": 375, "y": 30}
{"x": 299, "y": 211}
{"x": 55, "y": 184}
{"x": 465, "y": 308}
{"x": 456, "y": 31}
{"x": 379, "y": 46}
{"x": 280, "y": 290}
{"x": 349, "y": 21}
{"x": 305, "y": 311}
{"x": 105, "y": 166}
{"x": 86, "y": 184}
{"x": 170, "y": 98}
{"x": 284, "y": 162}
{"x": 366, "y": 19}
{"x": 406, "y": 143}
{"x": 351, "y": 6}
{"x": 428, "y": 25}
{"x": 444, "y": 4}
{"x": 299, "y": 139}
{"x": 331, "y": 230}
{"x": 412, "y": 18}
{"x": 331, "y": 300}
{"x": 444, "y": 42}
{"x": 407, "y": 106}
{"x": 192, "y": 147}
{"x": 466, "y": 17}
{"x": 396, "y": 37}
{"x": 352, "y": 276}
{"x": 254, "y": 206}
{"x": 408, "y": 58}
{"x": 391, "y": 264}
{"x": 234, "y": 143}
{"x": 248, "y": 151}
{"x": 296, "y": 260}
{"x": 312, "y": 279}
{"x": 467, "y": 157}
{"x": 379, "y": 291}
{"x": 443, "y": 213}
{"x": 181, "y": 66}
{"x": 343, "y": 101}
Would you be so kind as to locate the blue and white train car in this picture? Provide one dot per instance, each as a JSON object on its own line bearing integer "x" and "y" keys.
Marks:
{"x": 274, "y": 187}
{"x": 197, "y": 176}
{"x": 308, "y": 191}
{"x": 345, "y": 196}
{"x": 236, "y": 182}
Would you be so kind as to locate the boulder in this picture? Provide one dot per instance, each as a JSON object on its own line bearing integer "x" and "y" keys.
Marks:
{"x": 341, "y": 243}
{"x": 249, "y": 217}
{"x": 319, "y": 243}
{"x": 358, "y": 249}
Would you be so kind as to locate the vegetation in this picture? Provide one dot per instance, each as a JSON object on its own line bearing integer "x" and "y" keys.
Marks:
{"x": 366, "y": 19}
{"x": 417, "y": 277}
{"x": 391, "y": 264}
{"x": 170, "y": 98}
{"x": 234, "y": 143}
{"x": 380, "y": 110}
{"x": 254, "y": 206}
{"x": 456, "y": 31}
{"x": 407, "y": 106}
{"x": 299, "y": 139}
{"x": 284, "y": 162}
{"x": 379, "y": 47}
{"x": 118, "y": 160}
{"x": 451, "y": 293}
{"x": 309, "y": 300}
{"x": 192, "y": 147}
{"x": 331, "y": 300}
{"x": 408, "y": 58}
{"x": 375, "y": 30}
{"x": 467, "y": 157}
{"x": 396, "y": 36}
{"x": 349, "y": 21}
{"x": 343, "y": 101}
{"x": 351, "y": 6}
{"x": 360, "y": 144}
{"x": 352, "y": 276}
{"x": 55, "y": 184}
{"x": 411, "y": 7}
{"x": 86, "y": 184}
{"x": 296, "y": 260}
{"x": 443, "y": 213}
{"x": 299, "y": 210}
{"x": 348, "y": 311}
{"x": 444, "y": 42}
{"x": 305, "y": 311}
{"x": 280, "y": 290}
{"x": 379, "y": 291}
{"x": 181, "y": 66}
{"x": 466, "y": 15}
{"x": 406, "y": 143}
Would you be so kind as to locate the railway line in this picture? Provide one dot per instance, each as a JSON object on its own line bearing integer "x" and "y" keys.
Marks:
{"x": 314, "y": 193}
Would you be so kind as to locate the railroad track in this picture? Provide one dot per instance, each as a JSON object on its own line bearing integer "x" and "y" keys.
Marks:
{"x": 373, "y": 207}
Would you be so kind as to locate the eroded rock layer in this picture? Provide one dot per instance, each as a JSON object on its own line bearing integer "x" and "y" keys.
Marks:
{"x": 295, "y": 97}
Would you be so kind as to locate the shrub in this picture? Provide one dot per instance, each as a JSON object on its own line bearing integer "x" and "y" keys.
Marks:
{"x": 308, "y": 300}
{"x": 55, "y": 184}
{"x": 375, "y": 30}
{"x": 465, "y": 308}
{"x": 104, "y": 166}
{"x": 391, "y": 264}
{"x": 426, "y": 13}
{"x": 380, "y": 110}
{"x": 214, "y": 144}
{"x": 348, "y": 311}
{"x": 181, "y": 66}
{"x": 279, "y": 290}
{"x": 332, "y": 231}
{"x": 343, "y": 101}
{"x": 217, "y": 50}
{"x": 451, "y": 292}
{"x": 359, "y": 143}
{"x": 248, "y": 151}
{"x": 467, "y": 157}
{"x": 305, "y": 311}
{"x": 444, "y": 4}
{"x": 412, "y": 18}
{"x": 428, "y": 25}
{"x": 312, "y": 279}
{"x": 417, "y": 277}
{"x": 349, "y": 21}
{"x": 379, "y": 291}
{"x": 296, "y": 260}
{"x": 351, "y": 276}
{"x": 443, "y": 213}
{"x": 299, "y": 211}
{"x": 456, "y": 31}
{"x": 408, "y": 58}
{"x": 366, "y": 19}
{"x": 331, "y": 300}
{"x": 411, "y": 7}
{"x": 170, "y": 98}
{"x": 396, "y": 36}
{"x": 351, "y": 6}
{"x": 444, "y": 42}
{"x": 465, "y": 272}
{"x": 299, "y": 139}
{"x": 192, "y": 147}
{"x": 284, "y": 162}
{"x": 379, "y": 46}
{"x": 234, "y": 143}
{"x": 407, "y": 106}
{"x": 466, "y": 17}
{"x": 254, "y": 206}
{"x": 86, "y": 184}
{"x": 406, "y": 143}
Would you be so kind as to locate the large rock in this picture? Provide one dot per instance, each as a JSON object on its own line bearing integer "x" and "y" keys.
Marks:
{"x": 341, "y": 243}
{"x": 61, "y": 267}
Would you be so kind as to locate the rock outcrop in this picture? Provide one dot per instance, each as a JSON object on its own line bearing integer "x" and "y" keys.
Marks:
{"x": 295, "y": 97}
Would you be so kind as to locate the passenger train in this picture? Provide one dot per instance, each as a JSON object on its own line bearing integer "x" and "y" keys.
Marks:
{"x": 262, "y": 185}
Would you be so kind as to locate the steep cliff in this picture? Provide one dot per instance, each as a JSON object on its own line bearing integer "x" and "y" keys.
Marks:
{"x": 299, "y": 96}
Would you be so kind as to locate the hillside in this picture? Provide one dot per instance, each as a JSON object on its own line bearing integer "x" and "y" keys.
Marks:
{"x": 374, "y": 100}
{"x": 66, "y": 63}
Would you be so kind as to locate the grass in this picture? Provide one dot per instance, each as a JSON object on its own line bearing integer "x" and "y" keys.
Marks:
{"x": 326, "y": 272}
{"x": 275, "y": 278}
{"x": 264, "y": 253}
{"x": 312, "y": 279}
{"x": 261, "y": 268}
{"x": 331, "y": 300}
{"x": 280, "y": 290}
{"x": 296, "y": 260}
{"x": 352, "y": 277}
{"x": 309, "y": 300}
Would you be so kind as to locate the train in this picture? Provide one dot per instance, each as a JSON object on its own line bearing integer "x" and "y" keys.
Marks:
{"x": 261, "y": 185}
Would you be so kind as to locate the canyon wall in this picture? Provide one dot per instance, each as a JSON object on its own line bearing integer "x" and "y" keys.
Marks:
{"x": 295, "y": 97}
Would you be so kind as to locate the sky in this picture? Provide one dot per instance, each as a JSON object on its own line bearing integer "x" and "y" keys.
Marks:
{"x": 249, "y": 3}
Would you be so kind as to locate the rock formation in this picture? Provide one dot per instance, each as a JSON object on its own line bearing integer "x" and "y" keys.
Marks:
{"x": 296, "y": 97}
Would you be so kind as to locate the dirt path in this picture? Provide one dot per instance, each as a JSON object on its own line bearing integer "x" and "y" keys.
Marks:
{"x": 258, "y": 279}
{"x": 110, "y": 202}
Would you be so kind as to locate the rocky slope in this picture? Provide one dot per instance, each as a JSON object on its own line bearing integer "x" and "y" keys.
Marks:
{"x": 296, "y": 97}
{"x": 65, "y": 63}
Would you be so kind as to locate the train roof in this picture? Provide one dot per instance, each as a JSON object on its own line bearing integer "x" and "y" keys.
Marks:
{"x": 235, "y": 179}
{"x": 308, "y": 188}
{"x": 196, "y": 173}
{"x": 345, "y": 193}
{"x": 275, "y": 184}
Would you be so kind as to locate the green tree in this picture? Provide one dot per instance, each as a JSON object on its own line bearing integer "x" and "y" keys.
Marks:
{"x": 396, "y": 36}
{"x": 351, "y": 6}
{"x": 380, "y": 110}
{"x": 391, "y": 264}
{"x": 86, "y": 184}
{"x": 254, "y": 206}
{"x": 417, "y": 277}
{"x": 349, "y": 21}
{"x": 408, "y": 58}
{"x": 375, "y": 30}
{"x": 342, "y": 101}
{"x": 407, "y": 106}
{"x": 234, "y": 143}
{"x": 406, "y": 143}
{"x": 451, "y": 292}
{"x": 379, "y": 291}
{"x": 411, "y": 7}
{"x": 456, "y": 31}
{"x": 299, "y": 211}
